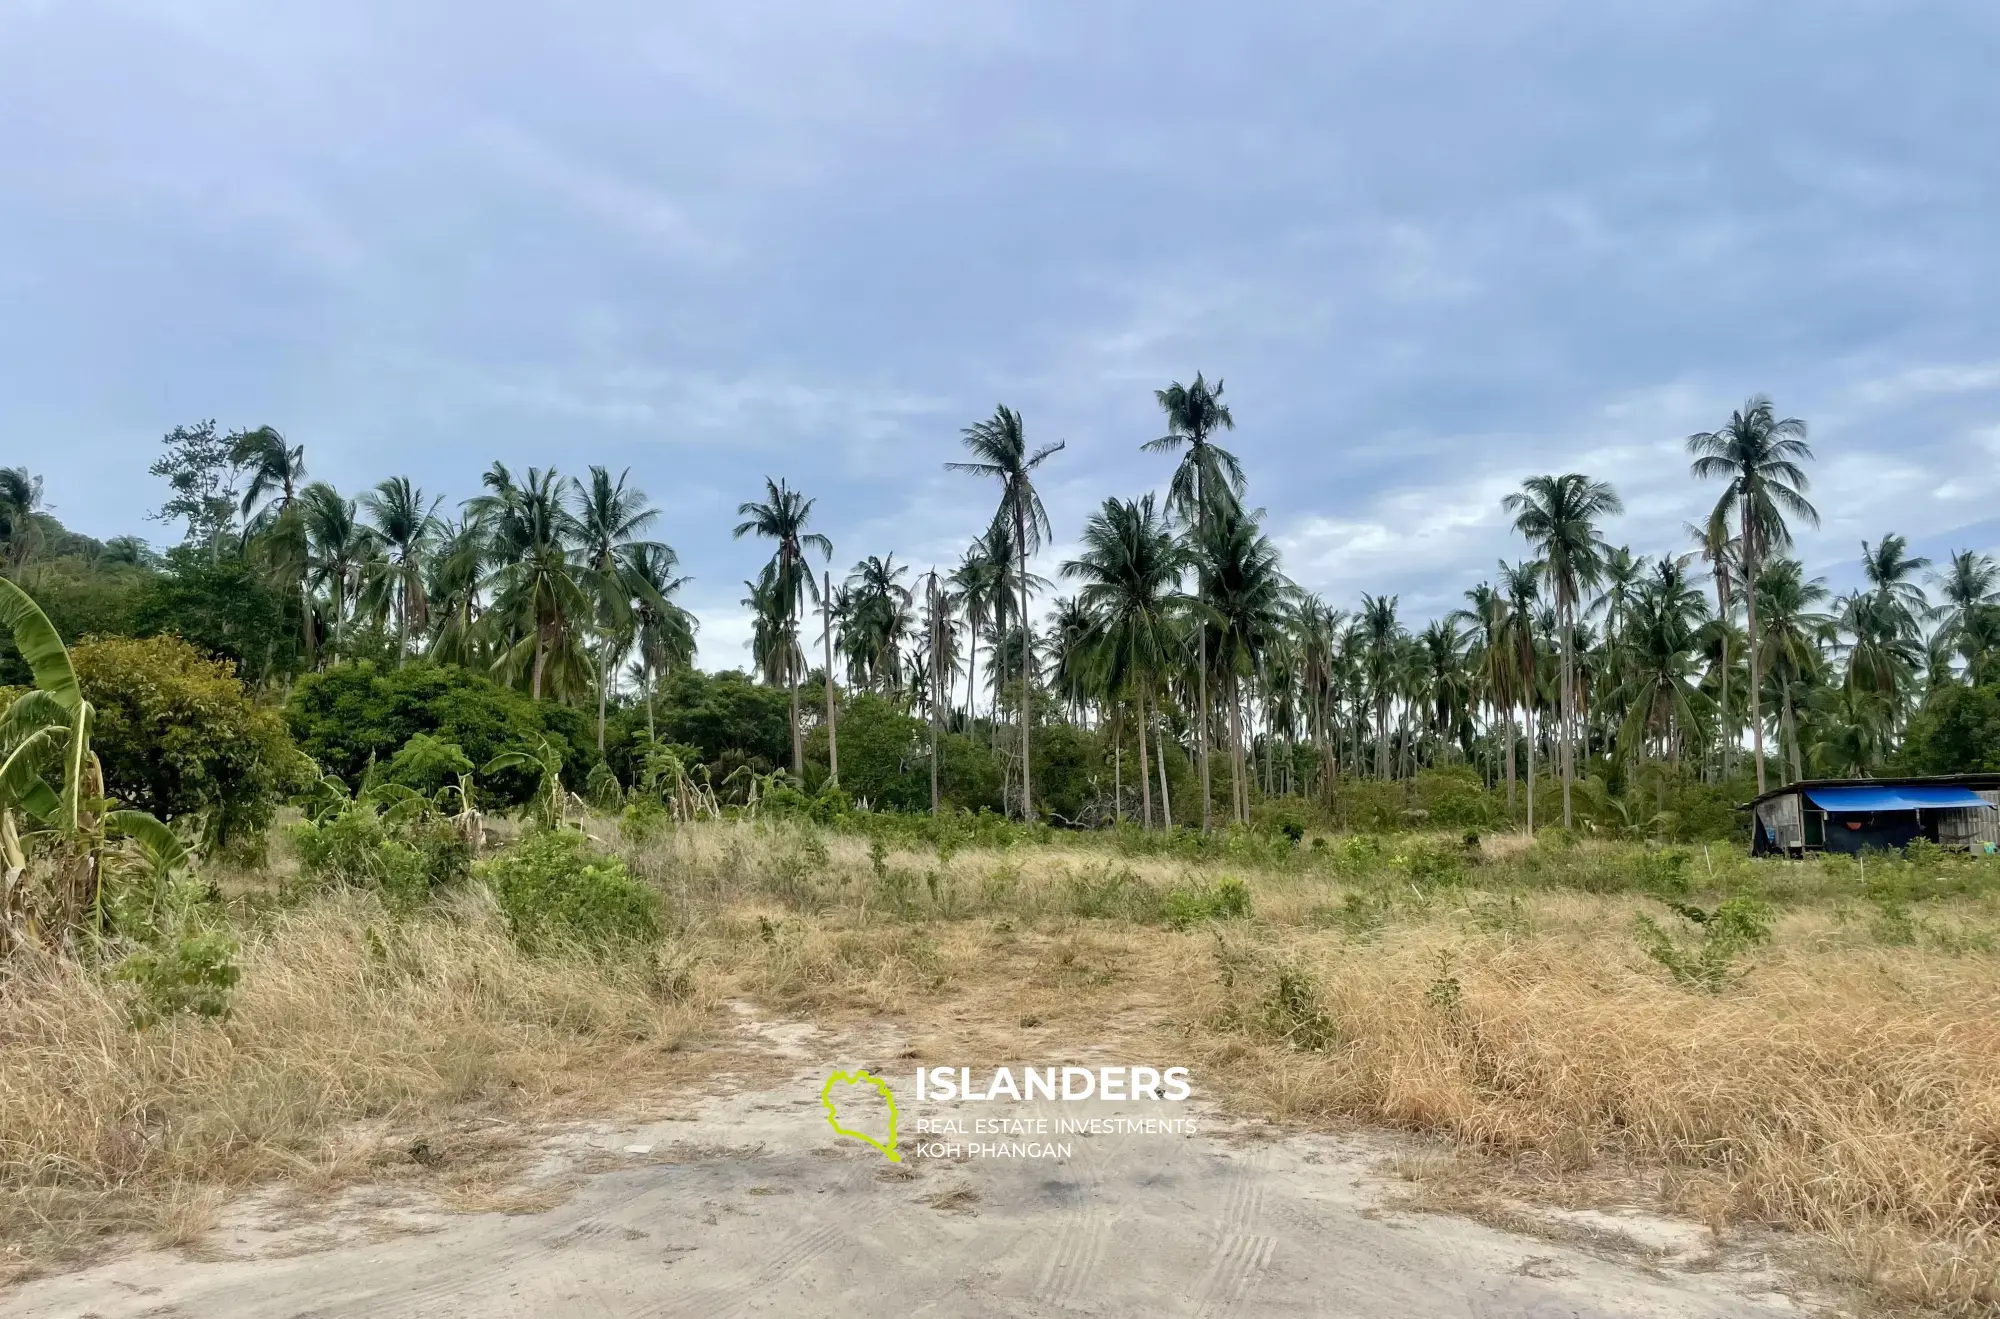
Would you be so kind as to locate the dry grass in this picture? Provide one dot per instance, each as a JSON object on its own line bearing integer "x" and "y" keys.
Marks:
{"x": 1851, "y": 1093}
{"x": 1845, "y": 1086}
{"x": 342, "y": 1015}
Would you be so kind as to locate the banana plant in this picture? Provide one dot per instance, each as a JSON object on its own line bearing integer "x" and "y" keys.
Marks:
{"x": 550, "y": 805}
{"x": 56, "y": 838}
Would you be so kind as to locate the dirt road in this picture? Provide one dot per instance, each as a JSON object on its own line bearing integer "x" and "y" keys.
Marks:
{"x": 750, "y": 1204}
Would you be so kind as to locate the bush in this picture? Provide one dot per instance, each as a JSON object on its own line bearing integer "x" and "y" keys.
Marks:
{"x": 1705, "y": 959}
{"x": 194, "y": 973}
{"x": 357, "y": 847}
{"x": 428, "y": 763}
{"x": 178, "y": 734}
{"x": 557, "y": 891}
{"x": 1185, "y": 905}
{"x": 358, "y": 711}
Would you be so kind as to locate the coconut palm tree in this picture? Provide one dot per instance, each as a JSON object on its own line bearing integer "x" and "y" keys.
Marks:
{"x": 999, "y": 446}
{"x": 1245, "y": 603}
{"x": 1722, "y": 553}
{"x": 781, "y": 518}
{"x": 879, "y": 619}
{"x": 1792, "y": 636}
{"x": 405, "y": 526}
{"x": 611, "y": 519}
{"x": 1129, "y": 572}
{"x": 340, "y": 548}
{"x": 1558, "y": 515}
{"x": 1520, "y": 590}
{"x": 533, "y": 541}
{"x": 1759, "y": 456}
{"x": 1968, "y": 588}
{"x": 976, "y": 581}
{"x": 1890, "y": 569}
{"x": 663, "y": 631}
{"x": 1207, "y": 477}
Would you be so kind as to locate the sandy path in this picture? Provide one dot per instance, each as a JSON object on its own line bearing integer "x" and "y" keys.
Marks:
{"x": 749, "y": 1204}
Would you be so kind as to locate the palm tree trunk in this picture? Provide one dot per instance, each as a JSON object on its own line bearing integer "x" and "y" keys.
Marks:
{"x": 1792, "y": 734}
{"x": 1027, "y": 663}
{"x": 1166, "y": 799}
{"x": 603, "y": 681}
{"x": 1201, "y": 729}
{"x": 1756, "y": 674}
{"x": 1508, "y": 727}
{"x": 832, "y": 731}
{"x": 1568, "y": 711}
{"x": 1239, "y": 790}
{"x": 1145, "y": 770}
{"x": 798, "y": 743}
{"x": 1529, "y": 714}
{"x": 1117, "y": 767}
{"x": 652, "y": 685}
{"x": 541, "y": 659}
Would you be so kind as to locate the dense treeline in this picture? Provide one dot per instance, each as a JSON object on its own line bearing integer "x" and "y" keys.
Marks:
{"x": 1176, "y": 676}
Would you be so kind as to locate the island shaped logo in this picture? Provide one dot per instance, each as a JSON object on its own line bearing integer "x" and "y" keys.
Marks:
{"x": 831, "y": 1105}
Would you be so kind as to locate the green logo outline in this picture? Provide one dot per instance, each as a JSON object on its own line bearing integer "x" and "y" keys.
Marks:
{"x": 881, "y": 1088}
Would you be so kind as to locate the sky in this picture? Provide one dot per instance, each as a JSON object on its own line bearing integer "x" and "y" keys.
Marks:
{"x": 1430, "y": 246}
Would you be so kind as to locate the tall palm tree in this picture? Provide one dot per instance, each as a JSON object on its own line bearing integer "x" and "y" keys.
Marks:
{"x": 999, "y": 446}
{"x": 274, "y": 467}
{"x": 1889, "y": 569}
{"x": 1382, "y": 641}
{"x": 341, "y": 546}
{"x": 404, "y": 526}
{"x": 781, "y": 518}
{"x": 611, "y": 519}
{"x": 1758, "y": 455}
{"x": 1722, "y": 552}
{"x": 1129, "y": 569}
{"x": 1558, "y": 515}
{"x": 1969, "y": 585}
{"x": 1520, "y": 588}
{"x": 664, "y": 630}
{"x": 1208, "y": 477}
{"x": 976, "y": 581}
{"x": 275, "y": 471}
{"x": 534, "y": 539}
{"x": 1792, "y": 634}
{"x": 1245, "y": 603}
{"x": 879, "y": 619}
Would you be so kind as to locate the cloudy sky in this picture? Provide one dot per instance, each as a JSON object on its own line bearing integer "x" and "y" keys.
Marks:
{"x": 1432, "y": 246}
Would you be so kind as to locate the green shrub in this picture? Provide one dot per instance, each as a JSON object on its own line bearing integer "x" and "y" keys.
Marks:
{"x": 1186, "y": 905}
{"x": 358, "y": 711}
{"x": 1704, "y": 957}
{"x": 178, "y": 735}
{"x": 355, "y": 846}
{"x": 428, "y": 763}
{"x": 557, "y": 891}
{"x": 193, "y": 973}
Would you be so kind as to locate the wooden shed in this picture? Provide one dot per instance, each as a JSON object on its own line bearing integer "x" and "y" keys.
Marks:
{"x": 1845, "y": 815}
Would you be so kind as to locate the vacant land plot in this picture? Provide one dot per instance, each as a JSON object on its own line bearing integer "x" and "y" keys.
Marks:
{"x": 1812, "y": 1050}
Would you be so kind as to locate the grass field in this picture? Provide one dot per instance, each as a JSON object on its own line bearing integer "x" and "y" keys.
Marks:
{"x": 1814, "y": 1047}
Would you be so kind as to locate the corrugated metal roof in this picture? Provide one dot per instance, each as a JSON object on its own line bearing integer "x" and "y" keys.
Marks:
{"x": 1887, "y": 798}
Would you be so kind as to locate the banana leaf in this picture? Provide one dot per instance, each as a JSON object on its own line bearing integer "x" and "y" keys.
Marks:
{"x": 40, "y": 645}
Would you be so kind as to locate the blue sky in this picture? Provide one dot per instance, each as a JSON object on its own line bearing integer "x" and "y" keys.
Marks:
{"x": 1431, "y": 247}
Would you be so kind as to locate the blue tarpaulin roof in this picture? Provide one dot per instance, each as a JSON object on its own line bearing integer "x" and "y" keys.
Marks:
{"x": 1896, "y": 799}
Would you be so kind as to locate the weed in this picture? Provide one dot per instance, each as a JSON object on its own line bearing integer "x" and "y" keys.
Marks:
{"x": 1291, "y": 1011}
{"x": 1705, "y": 961}
{"x": 1186, "y": 905}
{"x": 193, "y": 973}
{"x": 557, "y": 891}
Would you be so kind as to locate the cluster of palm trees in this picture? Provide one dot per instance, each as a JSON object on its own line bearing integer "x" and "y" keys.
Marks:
{"x": 1184, "y": 635}
{"x": 543, "y": 581}
{"x": 1181, "y": 641}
